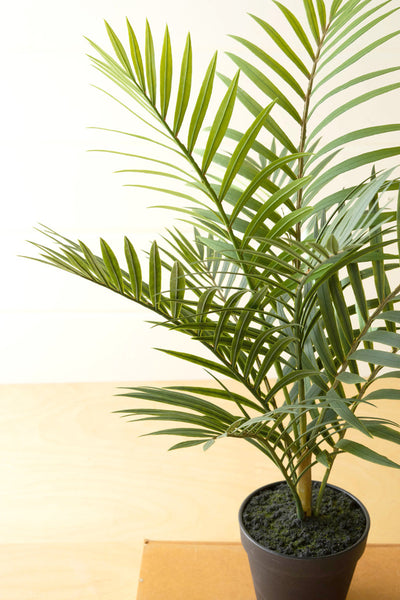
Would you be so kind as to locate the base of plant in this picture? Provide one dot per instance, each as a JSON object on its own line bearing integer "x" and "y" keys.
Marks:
{"x": 270, "y": 519}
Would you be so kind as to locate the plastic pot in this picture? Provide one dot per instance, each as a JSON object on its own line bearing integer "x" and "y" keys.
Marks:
{"x": 281, "y": 577}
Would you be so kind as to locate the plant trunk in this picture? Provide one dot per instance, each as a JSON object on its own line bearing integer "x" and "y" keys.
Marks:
{"x": 304, "y": 485}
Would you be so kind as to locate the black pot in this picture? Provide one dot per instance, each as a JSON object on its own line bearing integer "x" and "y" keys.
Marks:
{"x": 281, "y": 577}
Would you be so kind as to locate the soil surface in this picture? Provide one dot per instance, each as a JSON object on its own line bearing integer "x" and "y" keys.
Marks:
{"x": 271, "y": 520}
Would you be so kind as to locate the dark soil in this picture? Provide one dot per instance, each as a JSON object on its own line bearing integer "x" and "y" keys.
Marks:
{"x": 270, "y": 519}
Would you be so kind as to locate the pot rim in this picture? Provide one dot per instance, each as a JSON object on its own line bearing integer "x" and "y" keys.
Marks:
{"x": 360, "y": 540}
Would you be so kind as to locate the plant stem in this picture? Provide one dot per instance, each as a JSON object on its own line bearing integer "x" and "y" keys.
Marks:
{"x": 303, "y": 133}
{"x": 295, "y": 493}
{"x": 322, "y": 489}
{"x": 304, "y": 485}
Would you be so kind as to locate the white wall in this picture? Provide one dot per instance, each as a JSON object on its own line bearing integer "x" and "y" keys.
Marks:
{"x": 55, "y": 327}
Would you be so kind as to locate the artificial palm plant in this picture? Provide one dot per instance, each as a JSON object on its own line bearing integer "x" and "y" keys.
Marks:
{"x": 289, "y": 277}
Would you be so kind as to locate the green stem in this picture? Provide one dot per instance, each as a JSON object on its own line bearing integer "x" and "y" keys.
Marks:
{"x": 273, "y": 456}
{"x": 288, "y": 401}
{"x": 304, "y": 486}
{"x": 322, "y": 489}
{"x": 303, "y": 133}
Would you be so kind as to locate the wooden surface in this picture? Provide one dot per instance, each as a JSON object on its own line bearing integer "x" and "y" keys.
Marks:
{"x": 182, "y": 570}
{"x": 80, "y": 491}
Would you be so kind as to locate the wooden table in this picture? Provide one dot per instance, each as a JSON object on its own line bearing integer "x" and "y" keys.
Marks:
{"x": 80, "y": 491}
{"x": 206, "y": 571}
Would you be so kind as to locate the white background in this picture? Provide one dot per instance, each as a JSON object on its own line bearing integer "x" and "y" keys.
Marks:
{"x": 55, "y": 327}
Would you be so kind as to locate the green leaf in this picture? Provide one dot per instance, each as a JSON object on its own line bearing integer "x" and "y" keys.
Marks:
{"x": 171, "y": 192}
{"x": 148, "y": 158}
{"x": 356, "y": 32}
{"x": 335, "y": 7}
{"x": 257, "y": 347}
{"x": 246, "y": 316}
{"x": 350, "y": 378}
{"x": 340, "y": 407}
{"x": 390, "y": 315}
{"x": 356, "y": 57}
{"x": 111, "y": 262}
{"x": 183, "y": 431}
{"x": 117, "y": 75}
{"x": 135, "y": 271}
{"x": 345, "y": 15}
{"x": 199, "y": 360}
{"x": 185, "y": 248}
{"x": 266, "y": 155}
{"x": 274, "y": 202}
{"x": 357, "y": 214}
{"x": 330, "y": 322}
{"x": 204, "y": 304}
{"x": 297, "y": 28}
{"x": 312, "y": 18}
{"x": 351, "y": 14}
{"x": 322, "y": 347}
{"x": 220, "y": 416}
{"x": 220, "y": 124}
{"x": 358, "y": 289}
{"x": 259, "y": 181}
{"x": 280, "y": 42}
{"x": 110, "y": 62}
{"x": 377, "y": 357}
{"x": 383, "y": 337}
{"x": 255, "y": 108}
{"x": 383, "y": 394}
{"x": 225, "y": 314}
{"x": 94, "y": 263}
{"x": 382, "y": 431}
{"x": 204, "y": 419}
{"x": 68, "y": 261}
{"x": 155, "y": 275}
{"x": 158, "y": 173}
{"x": 287, "y": 379}
{"x": 365, "y": 453}
{"x": 177, "y": 288}
{"x": 272, "y": 355}
{"x": 341, "y": 306}
{"x": 136, "y": 56}
{"x": 321, "y": 13}
{"x": 351, "y": 104}
{"x": 203, "y": 100}
{"x": 323, "y": 457}
{"x": 241, "y": 150}
{"x": 150, "y": 65}
{"x": 223, "y": 394}
{"x": 349, "y": 164}
{"x": 119, "y": 50}
{"x": 186, "y": 444}
{"x": 185, "y": 83}
{"x": 391, "y": 374}
{"x": 208, "y": 444}
{"x": 266, "y": 86}
{"x": 287, "y": 222}
{"x": 345, "y": 86}
{"x": 272, "y": 64}
{"x": 165, "y": 74}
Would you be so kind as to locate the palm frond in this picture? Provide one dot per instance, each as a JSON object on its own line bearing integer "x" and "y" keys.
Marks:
{"x": 285, "y": 276}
